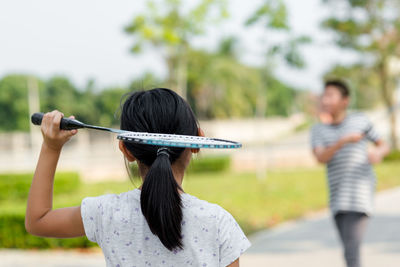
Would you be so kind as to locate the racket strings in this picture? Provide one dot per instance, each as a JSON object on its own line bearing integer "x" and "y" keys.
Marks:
{"x": 173, "y": 140}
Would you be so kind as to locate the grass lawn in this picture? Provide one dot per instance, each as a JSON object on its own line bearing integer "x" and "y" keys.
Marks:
{"x": 283, "y": 195}
{"x": 256, "y": 204}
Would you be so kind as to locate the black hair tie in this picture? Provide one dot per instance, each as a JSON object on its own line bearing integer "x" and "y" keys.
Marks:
{"x": 163, "y": 151}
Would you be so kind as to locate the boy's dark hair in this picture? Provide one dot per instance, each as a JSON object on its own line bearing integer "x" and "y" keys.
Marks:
{"x": 340, "y": 85}
{"x": 159, "y": 110}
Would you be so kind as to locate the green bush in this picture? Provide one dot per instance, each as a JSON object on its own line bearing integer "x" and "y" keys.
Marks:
{"x": 393, "y": 156}
{"x": 210, "y": 164}
{"x": 303, "y": 126}
{"x": 14, "y": 189}
{"x": 14, "y": 235}
{"x": 198, "y": 165}
{"x": 16, "y": 186}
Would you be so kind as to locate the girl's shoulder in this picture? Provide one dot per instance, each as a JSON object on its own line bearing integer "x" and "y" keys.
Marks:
{"x": 126, "y": 200}
{"x": 113, "y": 200}
{"x": 202, "y": 207}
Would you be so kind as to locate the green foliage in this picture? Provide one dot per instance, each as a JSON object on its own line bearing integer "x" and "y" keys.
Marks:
{"x": 169, "y": 25}
{"x": 280, "y": 98}
{"x": 16, "y": 186}
{"x": 61, "y": 94}
{"x": 283, "y": 195}
{"x": 109, "y": 103}
{"x": 219, "y": 86}
{"x": 14, "y": 235}
{"x": 14, "y": 103}
{"x": 273, "y": 13}
{"x": 202, "y": 164}
{"x": 306, "y": 125}
{"x": 393, "y": 156}
{"x": 371, "y": 28}
{"x": 14, "y": 190}
{"x": 216, "y": 84}
{"x": 210, "y": 164}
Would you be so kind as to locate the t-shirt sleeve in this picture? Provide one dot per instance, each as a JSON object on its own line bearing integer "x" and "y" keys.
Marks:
{"x": 92, "y": 212}
{"x": 233, "y": 241}
{"x": 316, "y": 137}
{"x": 370, "y": 131}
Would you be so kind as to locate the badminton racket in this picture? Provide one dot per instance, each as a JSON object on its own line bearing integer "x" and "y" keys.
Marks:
{"x": 156, "y": 139}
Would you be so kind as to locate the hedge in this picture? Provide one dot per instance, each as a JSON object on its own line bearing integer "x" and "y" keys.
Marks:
{"x": 209, "y": 164}
{"x": 16, "y": 186}
{"x": 200, "y": 165}
{"x": 14, "y": 235}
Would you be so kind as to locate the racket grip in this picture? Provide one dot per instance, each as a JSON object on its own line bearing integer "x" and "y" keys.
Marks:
{"x": 36, "y": 118}
{"x": 65, "y": 124}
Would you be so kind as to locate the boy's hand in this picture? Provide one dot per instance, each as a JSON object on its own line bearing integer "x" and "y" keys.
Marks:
{"x": 53, "y": 137}
{"x": 375, "y": 157}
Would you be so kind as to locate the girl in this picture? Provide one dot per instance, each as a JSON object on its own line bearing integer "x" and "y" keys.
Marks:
{"x": 155, "y": 225}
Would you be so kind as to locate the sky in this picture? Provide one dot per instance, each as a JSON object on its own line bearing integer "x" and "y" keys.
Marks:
{"x": 85, "y": 40}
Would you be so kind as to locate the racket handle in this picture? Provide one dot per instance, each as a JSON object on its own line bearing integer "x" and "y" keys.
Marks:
{"x": 66, "y": 124}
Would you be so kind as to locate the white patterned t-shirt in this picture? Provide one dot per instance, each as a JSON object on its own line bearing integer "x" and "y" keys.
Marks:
{"x": 211, "y": 236}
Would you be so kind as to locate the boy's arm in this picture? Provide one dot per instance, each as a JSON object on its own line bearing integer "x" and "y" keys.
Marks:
{"x": 40, "y": 217}
{"x": 325, "y": 154}
{"x": 377, "y": 154}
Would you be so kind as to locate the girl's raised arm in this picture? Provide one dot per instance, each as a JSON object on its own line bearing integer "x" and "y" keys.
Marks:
{"x": 40, "y": 217}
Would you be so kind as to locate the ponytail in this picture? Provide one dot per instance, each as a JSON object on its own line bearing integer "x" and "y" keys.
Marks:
{"x": 161, "y": 202}
{"x": 159, "y": 110}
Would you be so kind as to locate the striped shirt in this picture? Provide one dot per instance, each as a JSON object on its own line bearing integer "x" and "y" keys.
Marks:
{"x": 351, "y": 178}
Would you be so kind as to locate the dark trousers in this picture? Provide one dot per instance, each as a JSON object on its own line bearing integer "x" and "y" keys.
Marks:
{"x": 351, "y": 227}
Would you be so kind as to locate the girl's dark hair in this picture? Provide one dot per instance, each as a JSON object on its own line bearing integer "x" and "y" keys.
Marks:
{"x": 159, "y": 110}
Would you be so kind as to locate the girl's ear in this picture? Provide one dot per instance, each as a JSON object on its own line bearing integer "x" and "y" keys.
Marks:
{"x": 126, "y": 152}
{"x": 200, "y": 133}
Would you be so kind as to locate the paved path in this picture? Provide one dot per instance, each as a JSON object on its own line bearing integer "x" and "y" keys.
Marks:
{"x": 313, "y": 242}
{"x": 310, "y": 242}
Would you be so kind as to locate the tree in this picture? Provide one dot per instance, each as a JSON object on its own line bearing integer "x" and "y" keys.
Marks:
{"x": 220, "y": 86}
{"x": 14, "y": 115}
{"x": 171, "y": 31}
{"x": 273, "y": 16}
{"x": 61, "y": 94}
{"x": 371, "y": 28}
{"x": 108, "y": 105}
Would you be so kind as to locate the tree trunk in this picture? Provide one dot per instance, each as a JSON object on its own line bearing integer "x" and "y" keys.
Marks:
{"x": 171, "y": 74}
{"x": 261, "y": 103}
{"x": 393, "y": 130}
{"x": 177, "y": 70}
{"x": 181, "y": 75}
{"x": 388, "y": 98}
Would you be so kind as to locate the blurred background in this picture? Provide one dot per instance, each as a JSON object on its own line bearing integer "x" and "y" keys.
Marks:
{"x": 251, "y": 70}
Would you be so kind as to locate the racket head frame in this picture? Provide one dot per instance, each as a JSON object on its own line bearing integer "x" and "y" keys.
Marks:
{"x": 173, "y": 140}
